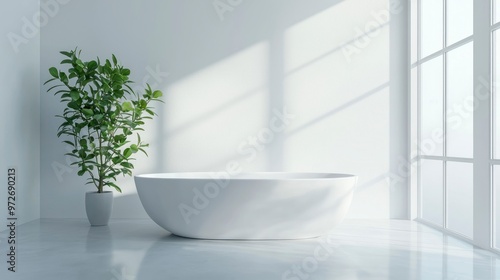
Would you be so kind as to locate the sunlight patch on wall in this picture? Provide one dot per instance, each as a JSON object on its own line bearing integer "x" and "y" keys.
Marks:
{"x": 330, "y": 30}
{"x": 343, "y": 102}
{"x": 209, "y": 113}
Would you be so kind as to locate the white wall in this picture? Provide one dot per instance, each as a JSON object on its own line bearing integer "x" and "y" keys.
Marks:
{"x": 227, "y": 72}
{"x": 20, "y": 89}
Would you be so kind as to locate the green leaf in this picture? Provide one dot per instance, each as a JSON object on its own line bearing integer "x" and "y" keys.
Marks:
{"x": 80, "y": 63}
{"x": 81, "y": 172}
{"x": 74, "y": 95}
{"x": 134, "y": 148}
{"x": 92, "y": 65}
{"x": 69, "y": 143}
{"x": 125, "y": 71}
{"x": 50, "y": 80}
{"x": 82, "y": 154}
{"x": 63, "y": 77}
{"x": 88, "y": 112}
{"x": 115, "y": 61}
{"x": 56, "y": 86}
{"x": 157, "y": 94}
{"x": 83, "y": 142}
{"x": 127, "y": 153}
{"x": 117, "y": 79}
{"x": 119, "y": 93}
{"x": 68, "y": 54}
{"x": 150, "y": 112}
{"x": 116, "y": 160}
{"x": 115, "y": 186}
{"x": 120, "y": 138}
{"x": 125, "y": 171}
{"x": 65, "y": 93}
{"x": 127, "y": 164}
{"x": 53, "y": 71}
{"x": 71, "y": 155}
{"x": 73, "y": 105}
{"x": 142, "y": 150}
{"x": 98, "y": 116}
{"x": 127, "y": 106}
{"x": 143, "y": 104}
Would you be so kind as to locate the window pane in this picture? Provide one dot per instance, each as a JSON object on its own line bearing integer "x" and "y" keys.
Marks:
{"x": 414, "y": 31}
{"x": 460, "y": 102}
{"x": 496, "y": 211}
{"x": 431, "y": 134}
{"x": 496, "y": 92}
{"x": 414, "y": 113}
{"x": 459, "y": 17}
{"x": 459, "y": 197}
{"x": 432, "y": 26}
{"x": 431, "y": 186}
{"x": 496, "y": 11}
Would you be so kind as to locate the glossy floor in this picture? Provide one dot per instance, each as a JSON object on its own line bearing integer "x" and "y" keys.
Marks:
{"x": 138, "y": 249}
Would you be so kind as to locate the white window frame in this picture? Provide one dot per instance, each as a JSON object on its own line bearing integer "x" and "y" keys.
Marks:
{"x": 482, "y": 160}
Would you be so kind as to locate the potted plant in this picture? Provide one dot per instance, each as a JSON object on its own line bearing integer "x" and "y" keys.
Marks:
{"x": 101, "y": 124}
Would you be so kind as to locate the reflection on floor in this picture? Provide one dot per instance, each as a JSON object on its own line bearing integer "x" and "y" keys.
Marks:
{"x": 138, "y": 249}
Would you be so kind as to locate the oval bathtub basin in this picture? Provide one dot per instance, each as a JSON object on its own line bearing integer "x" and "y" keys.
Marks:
{"x": 266, "y": 205}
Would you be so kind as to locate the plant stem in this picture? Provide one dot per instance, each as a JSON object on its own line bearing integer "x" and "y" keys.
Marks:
{"x": 101, "y": 173}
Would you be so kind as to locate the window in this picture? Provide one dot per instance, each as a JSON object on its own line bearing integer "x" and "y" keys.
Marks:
{"x": 444, "y": 65}
{"x": 455, "y": 118}
{"x": 495, "y": 120}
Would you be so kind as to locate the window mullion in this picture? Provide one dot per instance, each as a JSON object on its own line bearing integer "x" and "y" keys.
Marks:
{"x": 445, "y": 153}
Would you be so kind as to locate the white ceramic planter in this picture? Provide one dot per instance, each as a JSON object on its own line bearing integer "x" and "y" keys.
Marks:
{"x": 98, "y": 207}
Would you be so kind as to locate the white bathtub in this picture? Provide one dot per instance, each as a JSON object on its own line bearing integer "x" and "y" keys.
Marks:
{"x": 246, "y": 206}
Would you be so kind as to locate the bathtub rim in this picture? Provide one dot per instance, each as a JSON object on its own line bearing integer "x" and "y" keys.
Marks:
{"x": 237, "y": 177}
